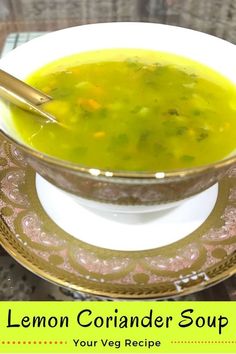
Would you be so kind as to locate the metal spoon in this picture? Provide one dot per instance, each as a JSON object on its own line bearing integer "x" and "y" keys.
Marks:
{"x": 23, "y": 95}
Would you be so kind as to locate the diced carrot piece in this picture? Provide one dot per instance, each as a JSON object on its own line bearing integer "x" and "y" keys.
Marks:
{"x": 99, "y": 134}
{"x": 94, "y": 104}
{"x": 90, "y": 104}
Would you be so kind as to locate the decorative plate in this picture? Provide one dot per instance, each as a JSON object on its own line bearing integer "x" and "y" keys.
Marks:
{"x": 202, "y": 258}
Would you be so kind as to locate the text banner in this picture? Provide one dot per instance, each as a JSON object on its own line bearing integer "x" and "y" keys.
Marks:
{"x": 124, "y": 327}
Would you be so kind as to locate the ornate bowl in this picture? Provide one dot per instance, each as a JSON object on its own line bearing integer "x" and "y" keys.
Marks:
{"x": 116, "y": 190}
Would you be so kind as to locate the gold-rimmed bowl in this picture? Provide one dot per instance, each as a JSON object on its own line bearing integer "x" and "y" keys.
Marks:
{"x": 116, "y": 190}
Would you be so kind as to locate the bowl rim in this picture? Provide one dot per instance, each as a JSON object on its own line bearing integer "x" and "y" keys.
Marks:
{"x": 158, "y": 175}
{"x": 92, "y": 171}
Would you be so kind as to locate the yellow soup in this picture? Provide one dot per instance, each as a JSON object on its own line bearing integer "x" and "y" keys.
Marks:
{"x": 132, "y": 109}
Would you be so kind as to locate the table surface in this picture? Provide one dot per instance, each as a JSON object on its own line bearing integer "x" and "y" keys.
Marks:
{"x": 215, "y": 17}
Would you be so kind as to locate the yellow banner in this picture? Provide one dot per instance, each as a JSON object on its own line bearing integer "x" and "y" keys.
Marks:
{"x": 124, "y": 327}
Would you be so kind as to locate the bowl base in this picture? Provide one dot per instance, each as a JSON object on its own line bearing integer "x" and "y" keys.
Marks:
{"x": 125, "y": 232}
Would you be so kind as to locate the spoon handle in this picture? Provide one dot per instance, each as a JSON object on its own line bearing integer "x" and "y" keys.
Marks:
{"x": 21, "y": 89}
{"x": 23, "y": 95}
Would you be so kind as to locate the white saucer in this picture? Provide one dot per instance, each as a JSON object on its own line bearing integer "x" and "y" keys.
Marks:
{"x": 125, "y": 232}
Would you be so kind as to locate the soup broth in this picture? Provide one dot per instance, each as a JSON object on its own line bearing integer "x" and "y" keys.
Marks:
{"x": 132, "y": 109}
